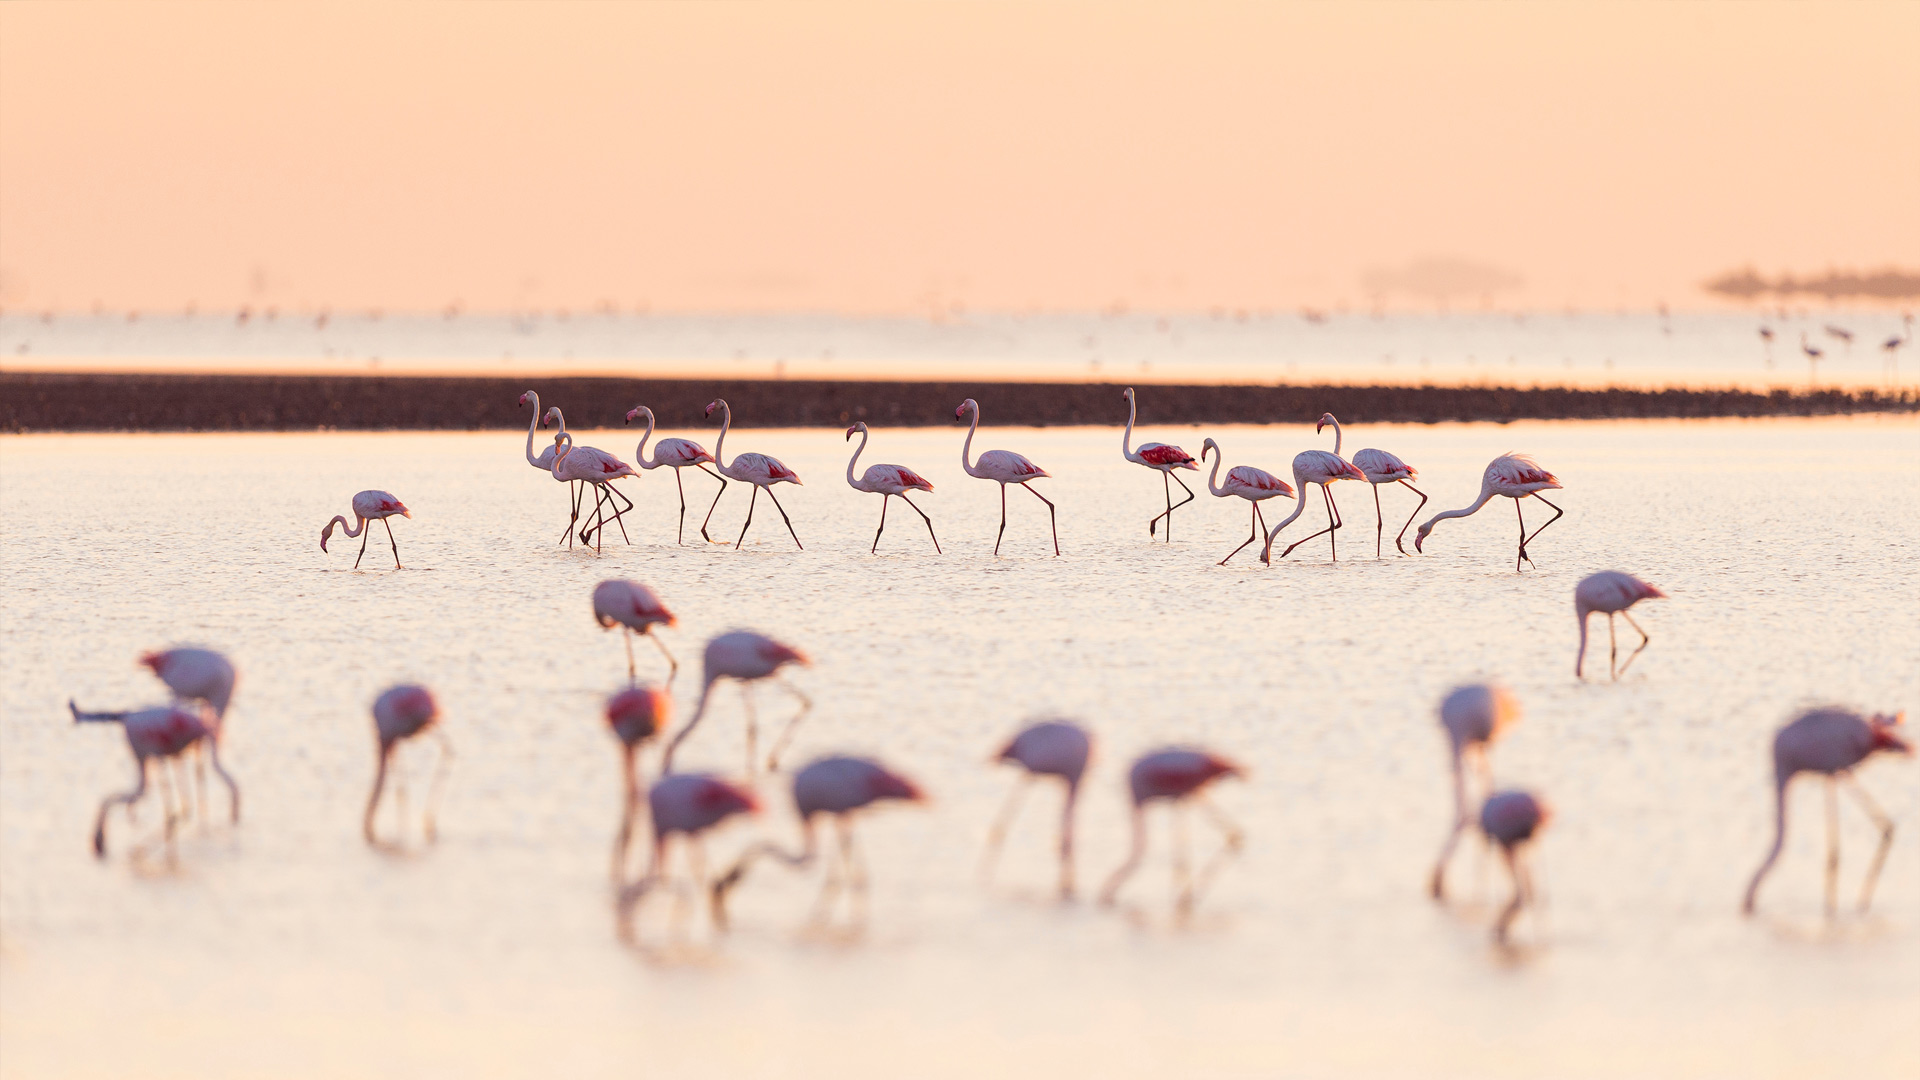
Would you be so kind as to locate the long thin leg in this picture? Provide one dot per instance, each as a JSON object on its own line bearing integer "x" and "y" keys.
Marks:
{"x": 751, "y": 500}
{"x": 125, "y": 798}
{"x": 786, "y": 736}
{"x": 1154, "y": 521}
{"x": 716, "y": 502}
{"x": 1003, "y": 520}
{"x": 629, "y": 812}
{"x": 379, "y": 785}
{"x": 1410, "y": 517}
{"x": 997, "y": 833}
{"x": 1643, "y": 640}
{"x": 1066, "y": 840}
{"x": 233, "y": 789}
{"x": 1833, "y": 843}
{"x": 673, "y": 666}
{"x": 1880, "y": 821}
{"x": 883, "y": 523}
{"x": 753, "y": 724}
{"x": 1182, "y": 865}
{"x": 615, "y": 493}
{"x": 856, "y": 871}
{"x": 1134, "y": 855}
{"x": 1254, "y": 520}
{"x": 365, "y": 535}
{"x": 438, "y": 783}
{"x": 1333, "y": 514}
{"x": 626, "y": 636}
{"x": 1523, "y": 537}
{"x": 1053, "y": 521}
{"x": 925, "y": 518}
{"x": 699, "y": 711}
{"x": 1232, "y": 839}
{"x": 575, "y": 518}
{"x": 1613, "y": 650}
{"x": 1323, "y": 532}
{"x": 789, "y": 521}
{"x": 1557, "y": 512}
{"x": 1513, "y": 906}
{"x": 393, "y": 542}
{"x": 1436, "y": 885}
{"x": 680, "y": 537}
{"x": 1379, "y": 523}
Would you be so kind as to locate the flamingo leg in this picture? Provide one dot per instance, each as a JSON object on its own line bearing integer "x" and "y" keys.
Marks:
{"x": 1644, "y": 639}
{"x": 1557, "y": 512}
{"x": 575, "y": 518}
{"x": 170, "y": 817}
{"x": 856, "y": 871}
{"x": 1333, "y": 514}
{"x": 753, "y": 723}
{"x": 1328, "y": 531}
{"x": 997, "y": 833}
{"x": 680, "y": 537}
{"x": 830, "y": 888}
{"x": 626, "y": 637}
{"x": 615, "y": 493}
{"x": 1410, "y": 517}
{"x": 789, "y": 521}
{"x": 1052, "y": 519}
{"x": 1833, "y": 844}
{"x": 629, "y": 812}
{"x": 1232, "y": 839}
{"x": 1523, "y": 537}
{"x": 395, "y": 543}
{"x": 1003, "y": 520}
{"x": 1254, "y": 520}
{"x": 1613, "y": 650}
{"x": 673, "y": 666}
{"x": 438, "y": 783}
{"x": 365, "y": 535}
{"x": 883, "y": 523}
{"x": 233, "y": 789}
{"x": 1154, "y": 521}
{"x": 1066, "y": 840}
{"x": 125, "y": 798}
{"x": 1379, "y": 523}
{"x": 786, "y": 735}
{"x": 716, "y": 502}
{"x": 1134, "y": 854}
{"x": 925, "y": 518}
{"x": 751, "y": 500}
{"x": 1519, "y": 897}
{"x": 1436, "y": 884}
{"x": 1182, "y": 866}
{"x": 379, "y": 784}
{"x": 1880, "y": 821}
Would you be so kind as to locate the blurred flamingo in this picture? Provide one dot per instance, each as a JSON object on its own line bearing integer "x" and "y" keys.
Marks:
{"x": 1056, "y": 748}
{"x": 1316, "y": 467}
{"x": 403, "y": 712}
{"x": 161, "y": 732}
{"x": 1176, "y": 775}
{"x": 887, "y": 481}
{"x": 1813, "y": 354}
{"x": 368, "y": 506}
{"x": 635, "y": 715}
{"x": 688, "y": 804}
{"x": 1247, "y": 482}
{"x": 1474, "y": 717}
{"x": 1612, "y": 592}
{"x": 1511, "y": 819}
{"x": 599, "y": 470}
{"x": 1382, "y": 467}
{"x": 199, "y": 675}
{"x": 1163, "y": 458}
{"x": 634, "y": 607}
{"x": 1003, "y": 467}
{"x": 1516, "y": 476}
{"x": 675, "y": 454}
{"x": 757, "y": 469}
{"x": 747, "y": 657}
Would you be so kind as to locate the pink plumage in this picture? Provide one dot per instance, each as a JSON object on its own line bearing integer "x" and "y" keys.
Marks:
{"x": 757, "y": 469}
{"x": 1003, "y": 467}
{"x": 887, "y": 481}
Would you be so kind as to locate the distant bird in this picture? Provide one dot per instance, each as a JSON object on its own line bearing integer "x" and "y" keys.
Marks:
{"x": 1831, "y": 741}
{"x": 835, "y": 787}
{"x": 1515, "y": 476}
{"x": 1163, "y": 458}
{"x": 1894, "y": 344}
{"x": 1247, "y": 482}
{"x": 634, "y": 607}
{"x": 888, "y": 481}
{"x": 598, "y": 469}
{"x": 687, "y": 804}
{"x": 1511, "y": 819}
{"x": 199, "y": 675}
{"x": 1175, "y": 775}
{"x": 1003, "y": 467}
{"x": 161, "y": 732}
{"x": 368, "y": 506}
{"x": 757, "y": 469}
{"x": 1057, "y": 748}
{"x": 747, "y": 657}
{"x": 636, "y": 716}
{"x": 1473, "y": 716}
{"x": 403, "y": 712}
{"x": 1316, "y": 467}
{"x": 1612, "y": 592}
{"x": 675, "y": 454}
{"x": 1840, "y": 333}
{"x": 1766, "y": 338}
{"x": 544, "y": 460}
{"x": 1382, "y": 467}
{"x": 1814, "y": 354}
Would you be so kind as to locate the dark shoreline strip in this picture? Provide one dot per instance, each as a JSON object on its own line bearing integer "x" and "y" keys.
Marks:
{"x": 141, "y": 402}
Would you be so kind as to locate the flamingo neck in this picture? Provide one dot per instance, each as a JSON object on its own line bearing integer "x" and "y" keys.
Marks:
{"x": 640, "y": 451}
{"x": 559, "y": 419}
{"x": 966, "y": 448}
{"x": 1486, "y": 492}
{"x": 1126, "y": 437}
{"x": 1300, "y": 483}
{"x": 857, "y": 451}
{"x": 1215, "y": 474}
{"x": 726, "y": 421}
{"x": 532, "y": 426}
{"x": 346, "y": 530}
{"x": 1336, "y": 438}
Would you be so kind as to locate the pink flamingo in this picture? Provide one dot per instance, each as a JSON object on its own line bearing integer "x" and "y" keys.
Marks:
{"x": 675, "y": 454}
{"x": 1813, "y": 353}
{"x": 635, "y": 715}
{"x": 1249, "y": 483}
{"x": 689, "y": 804}
{"x": 888, "y": 481}
{"x": 368, "y": 506}
{"x": 199, "y": 675}
{"x": 1831, "y": 741}
{"x": 634, "y": 607}
{"x": 747, "y": 657}
{"x": 836, "y": 787}
{"x": 1162, "y": 458}
{"x": 1176, "y": 775}
{"x": 1474, "y": 717}
{"x": 1382, "y": 467}
{"x": 1511, "y": 819}
{"x": 162, "y": 732}
{"x": 757, "y": 469}
{"x": 1612, "y": 592}
{"x": 403, "y": 712}
{"x": 544, "y": 461}
{"x": 1004, "y": 467}
{"x": 1316, "y": 467}
{"x": 599, "y": 470}
{"x": 1057, "y": 748}
{"x": 1516, "y": 476}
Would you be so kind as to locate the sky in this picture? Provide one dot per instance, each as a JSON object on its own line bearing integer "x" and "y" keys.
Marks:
{"x": 909, "y": 158}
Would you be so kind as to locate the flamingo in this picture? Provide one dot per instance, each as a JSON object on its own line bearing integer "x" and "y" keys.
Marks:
{"x": 1249, "y": 483}
{"x": 1474, "y": 717}
{"x": 599, "y": 469}
{"x": 1382, "y": 467}
{"x": 757, "y": 469}
{"x": 1004, "y": 467}
{"x": 888, "y": 481}
{"x": 1612, "y": 592}
{"x": 1840, "y": 333}
{"x": 675, "y": 454}
{"x": 747, "y": 657}
{"x": 1831, "y": 741}
{"x": 1894, "y": 344}
{"x": 835, "y": 787}
{"x": 1049, "y": 748}
{"x": 199, "y": 675}
{"x": 1511, "y": 819}
{"x": 1814, "y": 353}
{"x": 634, "y": 607}
{"x": 1316, "y": 467}
{"x": 1516, "y": 476}
{"x": 635, "y": 715}
{"x": 1175, "y": 775}
{"x": 368, "y": 506}
{"x": 689, "y": 804}
{"x": 163, "y": 732}
{"x": 1162, "y": 458}
{"x": 403, "y": 712}
{"x": 1766, "y": 338}
{"x": 544, "y": 462}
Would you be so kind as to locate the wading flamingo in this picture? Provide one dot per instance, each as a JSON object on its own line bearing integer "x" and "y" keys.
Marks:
{"x": 544, "y": 460}
{"x": 1056, "y": 748}
{"x": 1813, "y": 354}
{"x": 1474, "y": 717}
{"x": 1316, "y": 467}
{"x": 747, "y": 657}
{"x": 1831, "y": 741}
{"x": 634, "y": 607}
{"x": 1612, "y": 592}
{"x": 1163, "y": 458}
{"x": 1247, "y": 482}
{"x": 1177, "y": 776}
{"x": 1004, "y": 467}
{"x": 1516, "y": 476}
{"x": 403, "y": 712}
{"x": 887, "y": 481}
{"x": 1511, "y": 819}
{"x": 688, "y": 804}
{"x": 599, "y": 470}
{"x": 636, "y": 716}
{"x": 675, "y": 454}
{"x": 1381, "y": 467}
{"x": 161, "y": 732}
{"x": 1894, "y": 344}
{"x": 368, "y": 506}
{"x": 836, "y": 787}
{"x": 199, "y": 675}
{"x": 757, "y": 469}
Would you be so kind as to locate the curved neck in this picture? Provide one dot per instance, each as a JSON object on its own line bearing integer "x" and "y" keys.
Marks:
{"x": 533, "y": 425}
{"x": 719, "y": 444}
{"x": 1126, "y": 437}
{"x": 1336, "y": 438}
{"x": 1486, "y": 492}
{"x": 345, "y": 529}
{"x": 1215, "y": 474}
{"x": 559, "y": 419}
{"x": 640, "y": 451}
{"x": 1300, "y": 483}
{"x": 857, "y": 451}
{"x": 1779, "y": 841}
{"x": 966, "y": 448}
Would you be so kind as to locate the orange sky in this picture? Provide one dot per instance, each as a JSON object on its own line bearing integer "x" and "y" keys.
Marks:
{"x": 910, "y": 157}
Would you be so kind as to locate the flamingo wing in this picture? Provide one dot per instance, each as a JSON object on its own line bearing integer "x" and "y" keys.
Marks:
{"x": 1258, "y": 483}
{"x": 1166, "y": 456}
{"x": 1519, "y": 470}
{"x": 680, "y": 452}
{"x": 904, "y": 477}
{"x": 1382, "y": 467}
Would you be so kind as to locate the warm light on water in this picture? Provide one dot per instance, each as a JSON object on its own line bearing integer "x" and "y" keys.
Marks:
{"x": 286, "y": 947}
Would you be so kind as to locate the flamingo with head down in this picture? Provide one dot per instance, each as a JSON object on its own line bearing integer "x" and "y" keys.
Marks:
{"x": 1247, "y": 482}
{"x": 1056, "y": 748}
{"x": 1515, "y": 476}
{"x": 161, "y": 733}
{"x": 598, "y": 469}
{"x": 1382, "y": 467}
{"x": 757, "y": 469}
{"x": 747, "y": 657}
{"x": 688, "y": 805}
{"x": 636, "y": 610}
{"x": 1003, "y": 467}
{"x": 1511, "y": 820}
{"x": 1163, "y": 458}
{"x": 1316, "y": 467}
{"x": 199, "y": 675}
{"x": 888, "y": 481}
{"x": 1176, "y": 776}
{"x": 368, "y": 506}
{"x": 1612, "y": 592}
{"x": 400, "y": 713}
{"x": 675, "y": 454}
{"x": 636, "y": 716}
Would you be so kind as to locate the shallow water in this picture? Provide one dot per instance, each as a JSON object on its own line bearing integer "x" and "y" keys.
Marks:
{"x": 287, "y": 947}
